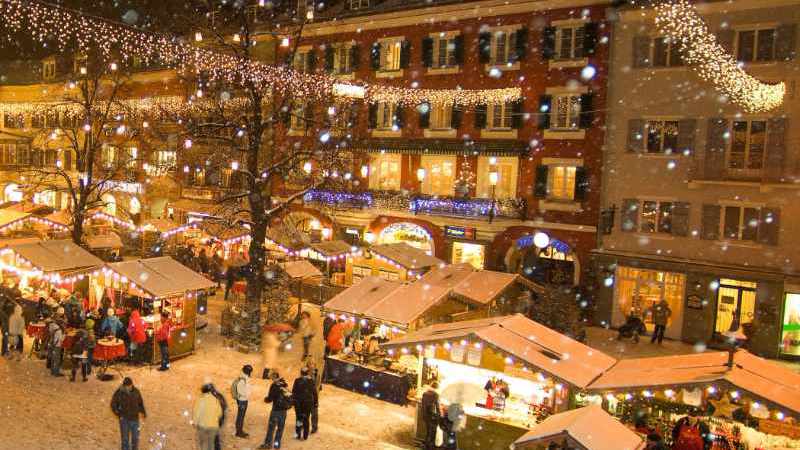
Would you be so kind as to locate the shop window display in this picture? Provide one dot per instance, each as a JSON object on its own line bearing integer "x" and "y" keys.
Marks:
{"x": 736, "y": 300}
{"x": 465, "y": 252}
{"x": 790, "y": 331}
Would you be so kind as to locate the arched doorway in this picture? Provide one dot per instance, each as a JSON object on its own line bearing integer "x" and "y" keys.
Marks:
{"x": 12, "y": 193}
{"x": 544, "y": 258}
{"x": 109, "y": 204}
{"x": 409, "y": 233}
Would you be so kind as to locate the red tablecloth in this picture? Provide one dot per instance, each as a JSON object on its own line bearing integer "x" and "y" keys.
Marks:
{"x": 36, "y": 330}
{"x": 240, "y": 287}
{"x": 109, "y": 350}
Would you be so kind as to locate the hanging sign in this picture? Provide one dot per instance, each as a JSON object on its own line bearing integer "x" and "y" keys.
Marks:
{"x": 459, "y": 232}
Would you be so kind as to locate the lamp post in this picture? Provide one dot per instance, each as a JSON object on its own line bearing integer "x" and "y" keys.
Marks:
{"x": 493, "y": 178}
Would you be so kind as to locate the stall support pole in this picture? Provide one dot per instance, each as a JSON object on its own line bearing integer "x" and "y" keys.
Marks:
{"x": 420, "y": 367}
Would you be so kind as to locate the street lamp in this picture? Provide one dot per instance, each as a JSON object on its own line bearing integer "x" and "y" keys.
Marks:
{"x": 420, "y": 174}
{"x": 493, "y": 179}
{"x": 364, "y": 171}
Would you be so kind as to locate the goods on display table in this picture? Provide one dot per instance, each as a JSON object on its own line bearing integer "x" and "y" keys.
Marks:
{"x": 506, "y": 373}
{"x": 106, "y": 352}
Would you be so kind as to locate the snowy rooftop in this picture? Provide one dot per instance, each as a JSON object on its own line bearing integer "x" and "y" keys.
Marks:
{"x": 591, "y": 427}
{"x": 110, "y": 240}
{"x": 362, "y": 296}
{"x": 331, "y": 248}
{"x": 406, "y": 255}
{"x": 160, "y": 225}
{"x": 10, "y": 215}
{"x": 162, "y": 276}
{"x": 301, "y": 269}
{"x": 56, "y": 255}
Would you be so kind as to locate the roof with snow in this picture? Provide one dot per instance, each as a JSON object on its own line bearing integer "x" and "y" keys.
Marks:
{"x": 55, "y": 255}
{"x": 408, "y": 257}
{"x": 162, "y": 276}
{"x": 104, "y": 241}
{"x": 10, "y": 216}
{"x": 591, "y": 427}
{"x": 160, "y": 225}
{"x": 761, "y": 378}
{"x": 301, "y": 269}
{"x": 525, "y": 340}
{"x": 332, "y": 248}
{"x": 360, "y": 297}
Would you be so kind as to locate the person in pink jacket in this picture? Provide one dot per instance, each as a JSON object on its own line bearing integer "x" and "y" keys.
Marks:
{"x": 136, "y": 333}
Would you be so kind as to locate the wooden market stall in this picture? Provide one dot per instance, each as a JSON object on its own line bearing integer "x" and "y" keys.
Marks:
{"x": 333, "y": 254}
{"x": 154, "y": 285}
{"x": 740, "y": 396}
{"x": 507, "y": 373}
{"x": 107, "y": 246}
{"x": 394, "y": 262}
{"x": 587, "y": 428}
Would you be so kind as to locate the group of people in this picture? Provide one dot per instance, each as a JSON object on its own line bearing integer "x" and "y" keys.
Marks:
{"x": 689, "y": 433}
{"x": 447, "y": 420}
{"x": 634, "y": 326}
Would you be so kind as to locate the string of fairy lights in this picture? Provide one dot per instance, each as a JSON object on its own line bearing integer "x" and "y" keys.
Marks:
{"x": 113, "y": 40}
{"x": 679, "y": 21}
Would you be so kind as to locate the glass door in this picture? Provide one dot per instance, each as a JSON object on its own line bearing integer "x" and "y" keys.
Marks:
{"x": 735, "y": 300}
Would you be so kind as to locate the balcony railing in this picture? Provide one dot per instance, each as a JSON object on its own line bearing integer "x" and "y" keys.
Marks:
{"x": 418, "y": 203}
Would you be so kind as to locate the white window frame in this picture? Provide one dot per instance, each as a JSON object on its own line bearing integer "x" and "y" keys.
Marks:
{"x": 662, "y": 122}
{"x": 573, "y": 48}
{"x": 434, "y": 163}
{"x": 378, "y": 180}
{"x": 506, "y": 118}
{"x": 386, "y": 119}
{"x": 568, "y": 194}
{"x": 571, "y": 115}
{"x": 390, "y": 62}
{"x": 449, "y": 38}
{"x": 757, "y": 31}
{"x": 507, "y": 179}
{"x": 741, "y": 226}
{"x": 730, "y": 141}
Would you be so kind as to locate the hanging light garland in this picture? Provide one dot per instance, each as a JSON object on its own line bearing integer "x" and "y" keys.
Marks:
{"x": 113, "y": 40}
{"x": 680, "y": 22}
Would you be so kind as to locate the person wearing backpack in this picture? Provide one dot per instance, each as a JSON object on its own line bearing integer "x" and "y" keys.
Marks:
{"x": 281, "y": 400}
{"x": 240, "y": 391}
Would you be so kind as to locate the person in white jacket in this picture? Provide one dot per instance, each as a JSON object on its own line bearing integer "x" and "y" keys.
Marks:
{"x": 206, "y": 418}
{"x": 241, "y": 389}
{"x": 16, "y": 328}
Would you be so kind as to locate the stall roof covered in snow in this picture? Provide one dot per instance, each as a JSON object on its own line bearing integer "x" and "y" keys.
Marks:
{"x": 162, "y": 276}
{"x": 332, "y": 248}
{"x": 759, "y": 377}
{"x": 56, "y": 255}
{"x": 11, "y": 215}
{"x": 527, "y": 341}
{"x": 406, "y": 256}
{"x": 160, "y": 225}
{"x": 361, "y": 296}
{"x": 591, "y": 427}
{"x": 223, "y": 231}
{"x": 480, "y": 287}
{"x": 103, "y": 241}
{"x": 301, "y": 269}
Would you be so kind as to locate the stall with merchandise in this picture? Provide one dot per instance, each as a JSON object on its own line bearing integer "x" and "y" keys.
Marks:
{"x": 333, "y": 254}
{"x": 394, "y": 262}
{"x": 507, "y": 373}
{"x": 156, "y": 285}
{"x": 747, "y": 402}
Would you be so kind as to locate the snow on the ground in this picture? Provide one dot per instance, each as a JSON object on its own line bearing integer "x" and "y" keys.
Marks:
{"x": 39, "y": 412}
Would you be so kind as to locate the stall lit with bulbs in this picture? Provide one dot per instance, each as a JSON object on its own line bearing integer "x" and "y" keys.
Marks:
{"x": 153, "y": 286}
{"x": 394, "y": 262}
{"x": 507, "y": 374}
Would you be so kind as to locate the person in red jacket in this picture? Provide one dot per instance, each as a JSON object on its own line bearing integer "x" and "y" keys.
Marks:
{"x": 163, "y": 337}
{"x": 136, "y": 333}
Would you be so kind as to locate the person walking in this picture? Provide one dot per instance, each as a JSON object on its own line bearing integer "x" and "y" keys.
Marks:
{"x": 79, "y": 353}
{"x": 240, "y": 391}
{"x": 281, "y": 400}
{"x": 336, "y": 337}
{"x": 16, "y": 329}
{"x": 661, "y": 314}
{"x": 431, "y": 413}
{"x": 304, "y": 393}
{"x": 128, "y": 406}
{"x": 306, "y": 332}
{"x": 137, "y": 336}
{"x": 163, "y": 337}
{"x": 56, "y": 352}
{"x": 206, "y": 418}
{"x": 224, "y": 405}
{"x": 314, "y": 374}
{"x": 6, "y": 309}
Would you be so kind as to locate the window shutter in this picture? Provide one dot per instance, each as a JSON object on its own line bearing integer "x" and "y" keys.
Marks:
{"x": 373, "y": 116}
{"x": 687, "y": 128}
{"x": 641, "y": 51}
{"x": 776, "y": 148}
{"x": 521, "y": 44}
{"x": 480, "y": 116}
{"x": 517, "y": 115}
{"x": 405, "y": 54}
{"x": 545, "y": 102}
{"x": 424, "y": 115}
{"x": 427, "y": 52}
{"x": 329, "y": 58}
{"x": 399, "y": 116}
{"x": 636, "y": 135}
{"x": 456, "y": 117}
{"x": 458, "y": 52}
{"x": 629, "y": 216}
{"x": 785, "y": 42}
{"x": 769, "y": 226}
{"x": 485, "y": 48}
{"x": 589, "y": 38}
{"x": 355, "y": 56}
{"x": 680, "y": 219}
{"x": 312, "y": 60}
{"x": 714, "y": 163}
{"x": 581, "y": 184}
{"x": 710, "y": 222}
{"x": 725, "y": 38}
{"x": 549, "y": 43}
{"x": 540, "y": 185}
{"x": 587, "y": 115}
{"x": 375, "y": 56}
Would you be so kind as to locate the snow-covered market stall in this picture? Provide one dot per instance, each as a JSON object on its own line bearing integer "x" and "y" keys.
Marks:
{"x": 587, "y": 428}
{"x": 153, "y": 286}
{"x": 394, "y": 262}
{"x": 506, "y": 373}
{"x": 746, "y": 401}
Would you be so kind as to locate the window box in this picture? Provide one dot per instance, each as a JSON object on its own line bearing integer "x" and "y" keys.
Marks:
{"x": 386, "y": 133}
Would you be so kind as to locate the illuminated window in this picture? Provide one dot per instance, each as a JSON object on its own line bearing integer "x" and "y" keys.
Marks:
{"x": 109, "y": 156}
{"x": 389, "y": 275}
{"x": 662, "y": 136}
{"x": 566, "y": 111}
{"x": 386, "y": 116}
{"x": 360, "y": 272}
{"x": 439, "y": 174}
{"x": 666, "y": 53}
{"x": 507, "y": 168}
{"x": 569, "y": 42}
{"x": 465, "y": 252}
{"x": 747, "y": 143}
{"x": 441, "y": 116}
{"x": 302, "y": 61}
{"x": 384, "y": 171}
{"x": 358, "y": 4}
{"x": 655, "y": 217}
{"x": 561, "y": 183}
{"x": 736, "y": 300}
{"x": 391, "y": 50}
{"x": 638, "y": 290}
{"x": 444, "y": 51}
{"x": 342, "y": 63}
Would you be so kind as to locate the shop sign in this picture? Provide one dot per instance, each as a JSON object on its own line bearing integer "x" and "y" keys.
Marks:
{"x": 197, "y": 194}
{"x": 459, "y": 232}
{"x": 770, "y": 426}
{"x": 695, "y": 302}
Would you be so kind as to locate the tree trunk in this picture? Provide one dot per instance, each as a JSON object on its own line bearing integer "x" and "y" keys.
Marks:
{"x": 77, "y": 226}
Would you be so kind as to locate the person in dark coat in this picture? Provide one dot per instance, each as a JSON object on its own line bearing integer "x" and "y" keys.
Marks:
{"x": 431, "y": 413}
{"x": 281, "y": 400}
{"x": 304, "y": 393}
{"x": 79, "y": 352}
{"x": 128, "y": 406}
{"x": 230, "y": 278}
{"x": 223, "y": 404}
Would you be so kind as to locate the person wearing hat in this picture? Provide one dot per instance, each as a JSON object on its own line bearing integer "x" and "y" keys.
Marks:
{"x": 128, "y": 405}
{"x": 240, "y": 390}
{"x": 206, "y": 417}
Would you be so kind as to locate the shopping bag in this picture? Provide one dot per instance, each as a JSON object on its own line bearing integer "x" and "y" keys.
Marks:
{"x": 439, "y": 437}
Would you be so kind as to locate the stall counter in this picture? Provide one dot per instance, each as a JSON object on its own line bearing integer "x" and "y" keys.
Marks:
{"x": 481, "y": 431}
{"x": 369, "y": 380}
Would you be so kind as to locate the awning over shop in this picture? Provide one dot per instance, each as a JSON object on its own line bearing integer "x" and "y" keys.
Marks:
{"x": 524, "y": 339}
{"x": 161, "y": 277}
{"x": 55, "y": 255}
{"x": 301, "y": 269}
{"x": 104, "y": 241}
{"x": 406, "y": 256}
{"x": 752, "y": 374}
{"x": 443, "y": 147}
{"x": 590, "y": 427}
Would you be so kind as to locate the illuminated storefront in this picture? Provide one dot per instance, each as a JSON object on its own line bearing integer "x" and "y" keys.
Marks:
{"x": 409, "y": 233}
{"x": 736, "y": 300}
{"x": 464, "y": 247}
{"x": 790, "y": 325}
{"x": 638, "y": 290}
